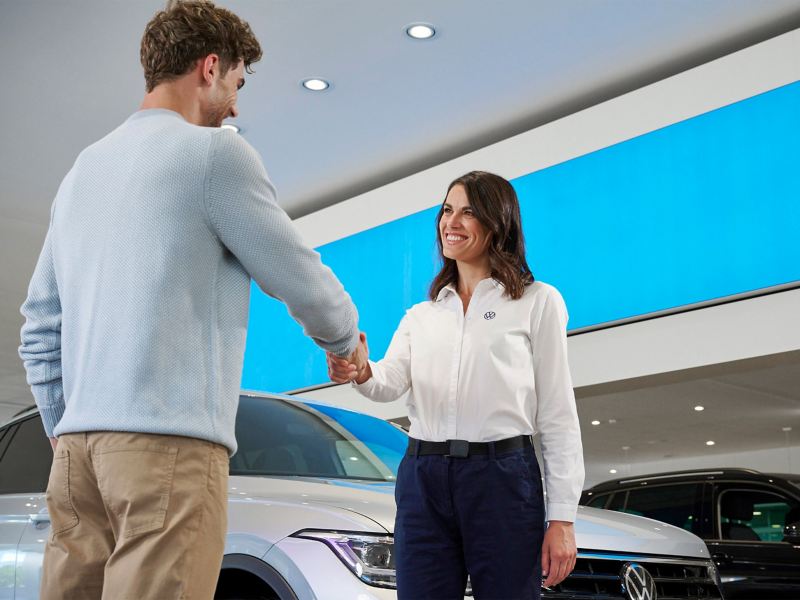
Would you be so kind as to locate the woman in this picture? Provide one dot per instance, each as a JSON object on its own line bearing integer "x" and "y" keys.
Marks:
{"x": 485, "y": 361}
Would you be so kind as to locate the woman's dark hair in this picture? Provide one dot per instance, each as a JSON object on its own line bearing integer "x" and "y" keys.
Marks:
{"x": 494, "y": 203}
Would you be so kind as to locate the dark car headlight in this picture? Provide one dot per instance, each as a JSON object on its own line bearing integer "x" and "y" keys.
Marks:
{"x": 370, "y": 557}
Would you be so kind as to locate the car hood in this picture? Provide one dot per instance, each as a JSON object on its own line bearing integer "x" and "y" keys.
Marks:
{"x": 595, "y": 529}
{"x": 373, "y": 500}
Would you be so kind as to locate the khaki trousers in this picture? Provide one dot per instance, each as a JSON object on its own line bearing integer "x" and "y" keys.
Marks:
{"x": 135, "y": 516}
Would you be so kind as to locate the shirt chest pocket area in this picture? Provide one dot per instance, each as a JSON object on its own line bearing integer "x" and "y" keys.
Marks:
{"x": 503, "y": 342}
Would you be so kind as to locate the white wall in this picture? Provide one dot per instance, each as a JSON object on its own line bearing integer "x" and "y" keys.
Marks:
{"x": 739, "y": 330}
{"x": 776, "y": 460}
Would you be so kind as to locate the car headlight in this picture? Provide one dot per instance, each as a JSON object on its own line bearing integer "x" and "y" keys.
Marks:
{"x": 369, "y": 556}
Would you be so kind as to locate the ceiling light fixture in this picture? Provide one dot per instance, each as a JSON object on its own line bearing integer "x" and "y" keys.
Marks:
{"x": 786, "y": 428}
{"x": 699, "y": 408}
{"x": 710, "y": 443}
{"x": 420, "y": 31}
{"x": 232, "y": 126}
{"x": 315, "y": 84}
{"x": 595, "y": 422}
{"x": 612, "y": 471}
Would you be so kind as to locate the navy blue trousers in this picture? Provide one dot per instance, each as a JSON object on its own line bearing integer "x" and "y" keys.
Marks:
{"x": 481, "y": 515}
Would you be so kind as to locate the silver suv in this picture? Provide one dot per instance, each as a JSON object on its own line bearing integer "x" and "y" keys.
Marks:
{"x": 311, "y": 514}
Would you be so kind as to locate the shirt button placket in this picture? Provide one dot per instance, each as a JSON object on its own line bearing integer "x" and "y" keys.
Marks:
{"x": 452, "y": 397}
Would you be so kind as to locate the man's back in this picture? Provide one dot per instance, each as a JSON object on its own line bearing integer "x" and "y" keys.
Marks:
{"x": 155, "y": 233}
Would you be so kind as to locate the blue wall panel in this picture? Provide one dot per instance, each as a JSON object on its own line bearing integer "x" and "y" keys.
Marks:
{"x": 699, "y": 210}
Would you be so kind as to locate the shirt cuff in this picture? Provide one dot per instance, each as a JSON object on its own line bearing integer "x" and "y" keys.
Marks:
{"x": 367, "y": 389}
{"x": 561, "y": 512}
{"x": 51, "y": 415}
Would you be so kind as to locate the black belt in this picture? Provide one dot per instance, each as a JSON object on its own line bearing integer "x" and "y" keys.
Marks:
{"x": 463, "y": 448}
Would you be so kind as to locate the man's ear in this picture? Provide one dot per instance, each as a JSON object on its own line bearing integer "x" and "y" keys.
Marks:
{"x": 209, "y": 68}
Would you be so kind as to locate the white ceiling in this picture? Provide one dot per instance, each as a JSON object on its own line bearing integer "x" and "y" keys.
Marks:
{"x": 396, "y": 106}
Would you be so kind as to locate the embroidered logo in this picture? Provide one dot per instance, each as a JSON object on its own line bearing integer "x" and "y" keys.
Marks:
{"x": 489, "y": 315}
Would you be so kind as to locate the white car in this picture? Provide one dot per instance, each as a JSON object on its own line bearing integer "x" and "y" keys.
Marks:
{"x": 311, "y": 514}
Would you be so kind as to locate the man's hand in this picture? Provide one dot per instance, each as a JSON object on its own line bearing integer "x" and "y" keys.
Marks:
{"x": 353, "y": 368}
{"x": 360, "y": 355}
{"x": 53, "y": 443}
{"x": 558, "y": 552}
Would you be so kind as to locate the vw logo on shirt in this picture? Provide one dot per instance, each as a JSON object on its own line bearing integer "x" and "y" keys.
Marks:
{"x": 489, "y": 315}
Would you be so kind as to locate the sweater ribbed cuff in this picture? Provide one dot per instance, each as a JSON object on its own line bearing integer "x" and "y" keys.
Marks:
{"x": 51, "y": 415}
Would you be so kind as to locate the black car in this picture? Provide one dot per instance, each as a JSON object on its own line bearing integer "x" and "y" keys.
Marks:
{"x": 749, "y": 520}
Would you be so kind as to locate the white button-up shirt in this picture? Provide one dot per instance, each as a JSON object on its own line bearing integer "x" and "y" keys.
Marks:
{"x": 498, "y": 371}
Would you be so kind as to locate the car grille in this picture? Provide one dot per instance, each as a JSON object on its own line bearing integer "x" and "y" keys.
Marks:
{"x": 597, "y": 577}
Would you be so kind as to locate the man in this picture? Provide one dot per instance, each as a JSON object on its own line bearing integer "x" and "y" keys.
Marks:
{"x": 136, "y": 320}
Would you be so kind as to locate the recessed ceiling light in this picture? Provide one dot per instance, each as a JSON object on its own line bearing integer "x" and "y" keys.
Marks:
{"x": 710, "y": 443}
{"x": 786, "y": 428}
{"x": 420, "y": 31}
{"x": 612, "y": 421}
{"x": 315, "y": 84}
{"x": 595, "y": 422}
{"x": 232, "y": 126}
{"x": 699, "y": 408}
{"x": 626, "y": 447}
{"x": 612, "y": 471}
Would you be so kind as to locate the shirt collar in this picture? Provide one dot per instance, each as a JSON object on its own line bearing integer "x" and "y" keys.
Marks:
{"x": 451, "y": 288}
{"x": 446, "y": 291}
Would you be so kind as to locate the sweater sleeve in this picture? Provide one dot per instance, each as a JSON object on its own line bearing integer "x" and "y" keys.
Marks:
{"x": 556, "y": 414}
{"x": 243, "y": 212}
{"x": 41, "y": 340}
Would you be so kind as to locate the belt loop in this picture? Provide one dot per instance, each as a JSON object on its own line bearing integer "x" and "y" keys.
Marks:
{"x": 491, "y": 450}
{"x": 417, "y": 444}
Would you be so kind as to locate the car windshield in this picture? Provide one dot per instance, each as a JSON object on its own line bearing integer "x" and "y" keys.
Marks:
{"x": 286, "y": 438}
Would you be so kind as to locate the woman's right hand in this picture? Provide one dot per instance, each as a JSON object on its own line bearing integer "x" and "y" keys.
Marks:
{"x": 353, "y": 368}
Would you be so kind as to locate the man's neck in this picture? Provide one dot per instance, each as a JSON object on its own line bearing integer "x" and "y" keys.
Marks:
{"x": 176, "y": 96}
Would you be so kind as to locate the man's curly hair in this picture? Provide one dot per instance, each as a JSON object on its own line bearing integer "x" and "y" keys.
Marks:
{"x": 186, "y": 31}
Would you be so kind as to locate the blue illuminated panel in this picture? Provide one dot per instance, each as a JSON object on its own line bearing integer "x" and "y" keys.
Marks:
{"x": 699, "y": 210}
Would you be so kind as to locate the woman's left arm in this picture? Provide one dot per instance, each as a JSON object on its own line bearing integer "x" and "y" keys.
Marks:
{"x": 557, "y": 423}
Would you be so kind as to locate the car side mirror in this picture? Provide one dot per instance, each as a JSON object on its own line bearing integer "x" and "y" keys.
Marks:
{"x": 791, "y": 533}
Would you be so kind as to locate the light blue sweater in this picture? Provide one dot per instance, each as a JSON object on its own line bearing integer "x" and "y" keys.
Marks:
{"x": 137, "y": 311}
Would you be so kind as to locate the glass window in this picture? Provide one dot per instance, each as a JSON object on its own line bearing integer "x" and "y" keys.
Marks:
{"x": 5, "y": 435}
{"x": 278, "y": 437}
{"x": 617, "y": 501}
{"x": 755, "y": 515}
{"x": 677, "y": 505}
{"x": 25, "y": 466}
{"x": 385, "y": 440}
{"x": 598, "y": 501}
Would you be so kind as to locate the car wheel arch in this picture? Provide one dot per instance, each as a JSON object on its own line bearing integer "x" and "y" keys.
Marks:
{"x": 256, "y": 567}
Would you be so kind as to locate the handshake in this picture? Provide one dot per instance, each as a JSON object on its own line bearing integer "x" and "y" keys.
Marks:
{"x": 352, "y": 368}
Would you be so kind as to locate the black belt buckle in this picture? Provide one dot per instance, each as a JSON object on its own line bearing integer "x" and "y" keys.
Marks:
{"x": 457, "y": 449}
